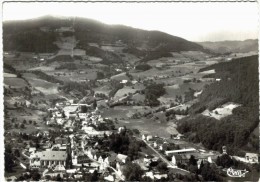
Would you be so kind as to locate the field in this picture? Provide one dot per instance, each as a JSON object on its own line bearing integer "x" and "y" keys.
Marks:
{"x": 15, "y": 82}
{"x": 220, "y": 112}
{"x": 43, "y": 86}
{"x": 146, "y": 126}
{"x": 9, "y": 75}
{"x": 27, "y": 114}
{"x": 119, "y": 77}
{"x": 103, "y": 89}
{"x": 124, "y": 91}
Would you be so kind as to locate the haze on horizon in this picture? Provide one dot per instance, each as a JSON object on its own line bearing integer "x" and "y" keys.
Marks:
{"x": 196, "y": 22}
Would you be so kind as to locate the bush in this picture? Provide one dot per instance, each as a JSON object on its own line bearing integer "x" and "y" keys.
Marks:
{"x": 143, "y": 67}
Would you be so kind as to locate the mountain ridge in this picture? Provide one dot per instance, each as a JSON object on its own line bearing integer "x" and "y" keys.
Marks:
{"x": 88, "y": 30}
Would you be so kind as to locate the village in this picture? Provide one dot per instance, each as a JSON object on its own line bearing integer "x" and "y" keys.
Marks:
{"x": 89, "y": 101}
{"x": 89, "y": 147}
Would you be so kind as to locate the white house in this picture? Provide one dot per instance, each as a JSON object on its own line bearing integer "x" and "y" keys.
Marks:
{"x": 251, "y": 158}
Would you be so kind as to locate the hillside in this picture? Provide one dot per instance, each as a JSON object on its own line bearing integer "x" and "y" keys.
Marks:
{"x": 45, "y": 31}
{"x": 232, "y": 46}
{"x": 238, "y": 84}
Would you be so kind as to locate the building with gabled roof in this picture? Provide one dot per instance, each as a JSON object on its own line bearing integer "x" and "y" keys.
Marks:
{"x": 48, "y": 158}
{"x": 251, "y": 157}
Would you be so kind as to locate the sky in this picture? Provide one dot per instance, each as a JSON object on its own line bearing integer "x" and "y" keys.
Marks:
{"x": 192, "y": 21}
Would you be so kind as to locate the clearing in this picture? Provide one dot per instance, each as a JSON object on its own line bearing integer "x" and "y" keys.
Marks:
{"x": 222, "y": 111}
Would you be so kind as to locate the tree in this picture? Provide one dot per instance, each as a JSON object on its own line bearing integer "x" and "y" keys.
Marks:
{"x": 84, "y": 109}
{"x": 95, "y": 104}
{"x": 162, "y": 167}
{"x": 16, "y": 125}
{"x": 192, "y": 160}
{"x": 224, "y": 161}
{"x": 100, "y": 75}
{"x": 35, "y": 175}
{"x": 24, "y": 121}
{"x": 58, "y": 178}
{"x": 9, "y": 163}
{"x": 133, "y": 172}
{"x": 94, "y": 176}
{"x": 30, "y": 121}
{"x": 22, "y": 126}
{"x": 209, "y": 174}
{"x": 17, "y": 153}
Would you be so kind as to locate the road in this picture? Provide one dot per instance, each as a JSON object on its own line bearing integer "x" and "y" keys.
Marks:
{"x": 163, "y": 158}
{"x": 170, "y": 165}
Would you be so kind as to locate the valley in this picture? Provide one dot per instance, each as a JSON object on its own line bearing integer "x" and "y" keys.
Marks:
{"x": 149, "y": 82}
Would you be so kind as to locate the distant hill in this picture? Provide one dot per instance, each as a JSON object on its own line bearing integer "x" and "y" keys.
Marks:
{"x": 38, "y": 35}
{"x": 232, "y": 46}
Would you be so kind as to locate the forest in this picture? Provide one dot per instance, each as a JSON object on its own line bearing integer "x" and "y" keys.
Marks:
{"x": 22, "y": 41}
{"x": 239, "y": 84}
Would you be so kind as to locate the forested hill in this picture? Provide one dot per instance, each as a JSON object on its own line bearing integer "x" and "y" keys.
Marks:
{"x": 27, "y": 36}
{"x": 239, "y": 84}
{"x": 232, "y": 46}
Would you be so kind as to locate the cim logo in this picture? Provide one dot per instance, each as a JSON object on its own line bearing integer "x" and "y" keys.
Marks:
{"x": 236, "y": 172}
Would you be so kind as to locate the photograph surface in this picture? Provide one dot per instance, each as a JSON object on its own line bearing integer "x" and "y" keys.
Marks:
{"x": 102, "y": 91}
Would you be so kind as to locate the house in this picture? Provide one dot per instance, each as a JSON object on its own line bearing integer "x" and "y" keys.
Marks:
{"x": 48, "y": 158}
{"x": 59, "y": 140}
{"x": 59, "y": 168}
{"x": 184, "y": 158}
{"x": 124, "y": 81}
{"x": 111, "y": 158}
{"x": 81, "y": 159}
{"x": 158, "y": 143}
{"x": 32, "y": 150}
{"x": 149, "y": 137}
{"x": 180, "y": 159}
{"x": 159, "y": 176}
{"x": 153, "y": 176}
{"x": 178, "y": 136}
{"x": 11, "y": 178}
{"x": 181, "y": 151}
{"x": 109, "y": 178}
{"x": 121, "y": 158}
{"x": 143, "y": 137}
{"x": 251, "y": 157}
{"x": 82, "y": 115}
{"x": 144, "y": 165}
{"x": 121, "y": 129}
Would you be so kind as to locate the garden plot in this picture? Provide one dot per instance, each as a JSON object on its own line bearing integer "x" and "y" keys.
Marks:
{"x": 222, "y": 111}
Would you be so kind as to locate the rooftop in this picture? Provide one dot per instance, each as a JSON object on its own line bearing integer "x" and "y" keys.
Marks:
{"x": 52, "y": 155}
